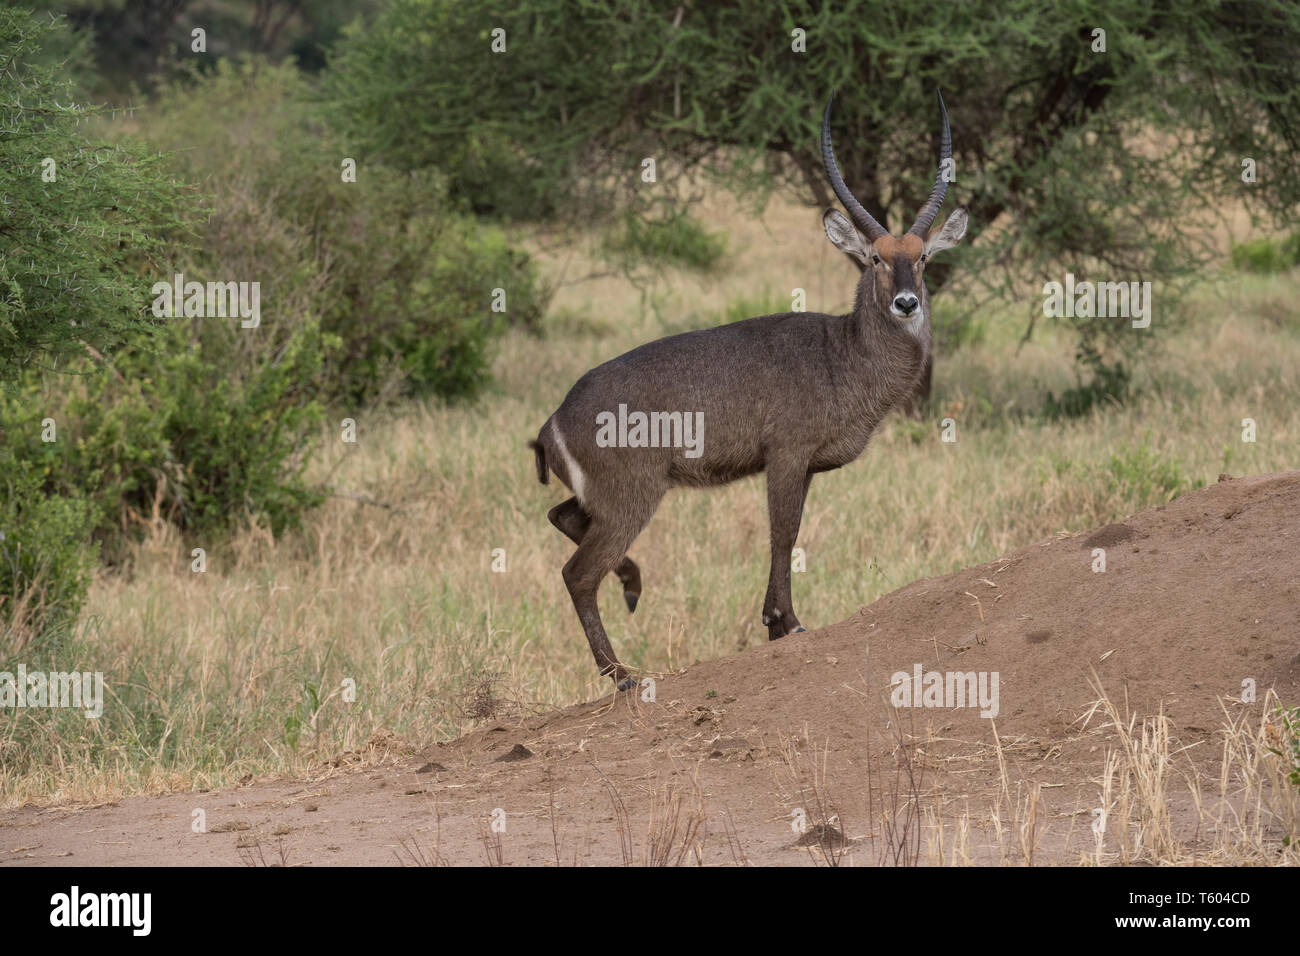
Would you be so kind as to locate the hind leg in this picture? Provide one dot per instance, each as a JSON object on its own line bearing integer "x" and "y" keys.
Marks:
{"x": 604, "y": 542}
{"x": 569, "y": 517}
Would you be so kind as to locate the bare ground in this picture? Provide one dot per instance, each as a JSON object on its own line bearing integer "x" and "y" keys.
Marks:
{"x": 730, "y": 755}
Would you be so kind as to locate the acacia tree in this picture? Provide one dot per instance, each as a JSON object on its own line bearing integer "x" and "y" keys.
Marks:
{"x": 1089, "y": 134}
{"x": 81, "y": 219}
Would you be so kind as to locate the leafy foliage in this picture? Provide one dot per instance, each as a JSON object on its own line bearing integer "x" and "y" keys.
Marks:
{"x": 670, "y": 239}
{"x": 1087, "y": 160}
{"x": 1109, "y": 384}
{"x": 399, "y": 282}
{"x": 45, "y": 551}
{"x": 1267, "y": 255}
{"x": 81, "y": 217}
{"x": 177, "y": 433}
{"x": 370, "y": 289}
{"x": 1290, "y": 749}
{"x": 134, "y": 44}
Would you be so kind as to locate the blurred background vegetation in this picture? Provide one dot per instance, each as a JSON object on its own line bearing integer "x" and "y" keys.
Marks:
{"x": 521, "y": 171}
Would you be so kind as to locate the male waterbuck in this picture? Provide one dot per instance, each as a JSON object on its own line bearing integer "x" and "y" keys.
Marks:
{"x": 791, "y": 395}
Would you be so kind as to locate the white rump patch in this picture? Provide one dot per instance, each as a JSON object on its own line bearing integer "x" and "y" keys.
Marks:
{"x": 576, "y": 480}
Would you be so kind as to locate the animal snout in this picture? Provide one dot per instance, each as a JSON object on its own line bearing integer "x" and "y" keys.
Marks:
{"x": 905, "y": 303}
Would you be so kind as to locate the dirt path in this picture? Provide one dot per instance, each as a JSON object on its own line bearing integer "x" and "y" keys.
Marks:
{"x": 1197, "y": 596}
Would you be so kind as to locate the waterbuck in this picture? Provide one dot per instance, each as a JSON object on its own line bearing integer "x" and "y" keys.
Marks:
{"x": 790, "y": 395}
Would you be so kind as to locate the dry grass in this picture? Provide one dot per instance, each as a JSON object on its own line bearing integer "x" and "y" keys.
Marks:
{"x": 403, "y": 602}
{"x": 813, "y": 814}
{"x": 1154, "y": 806}
{"x": 1146, "y": 777}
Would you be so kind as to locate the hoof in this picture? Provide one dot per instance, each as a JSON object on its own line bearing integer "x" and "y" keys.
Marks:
{"x": 627, "y": 683}
{"x": 631, "y": 600}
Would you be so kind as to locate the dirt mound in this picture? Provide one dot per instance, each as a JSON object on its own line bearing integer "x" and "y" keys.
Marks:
{"x": 1185, "y": 609}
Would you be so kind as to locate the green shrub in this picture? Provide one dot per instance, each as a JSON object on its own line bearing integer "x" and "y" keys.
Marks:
{"x": 496, "y": 181}
{"x": 1267, "y": 256}
{"x": 1286, "y": 738}
{"x": 410, "y": 299}
{"x": 1110, "y": 385}
{"x": 1290, "y": 734}
{"x": 241, "y": 441}
{"x": 668, "y": 238}
{"x": 191, "y": 430}
{"x": 1143, "y": 477}
{"x": 368, "y": 289}
{"x": 401, "y": 281}
{"x": 45, "y": 552}
{"x": 1290, "y": 250}
{"x": 82, "y": 218}
{"x": 1257, "y": 255}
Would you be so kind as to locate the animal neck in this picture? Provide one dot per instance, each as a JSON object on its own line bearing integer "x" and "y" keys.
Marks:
{"x": 891, "y": 352}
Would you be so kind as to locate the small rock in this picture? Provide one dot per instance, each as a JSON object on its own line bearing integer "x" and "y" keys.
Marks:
{"x": 230, "y": 826}
{"x": 518, "y": 752}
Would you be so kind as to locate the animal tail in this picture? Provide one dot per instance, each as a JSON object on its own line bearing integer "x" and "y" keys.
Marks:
{"x": 543, "y": 473}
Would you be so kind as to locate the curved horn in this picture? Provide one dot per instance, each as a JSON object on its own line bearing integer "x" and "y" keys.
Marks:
{"x": 866, "y": 223}
{"x": 931, "y": 208}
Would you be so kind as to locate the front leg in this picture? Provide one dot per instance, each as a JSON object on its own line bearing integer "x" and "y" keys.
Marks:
{"x": 787, "y": 487}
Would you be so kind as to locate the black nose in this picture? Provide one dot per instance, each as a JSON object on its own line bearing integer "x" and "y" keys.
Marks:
{"x": 906, "y": 303}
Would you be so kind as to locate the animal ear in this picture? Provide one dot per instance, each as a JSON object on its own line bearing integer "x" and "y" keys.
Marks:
{"x": 950, "y": 234}
{"x": 842, "y": 234}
